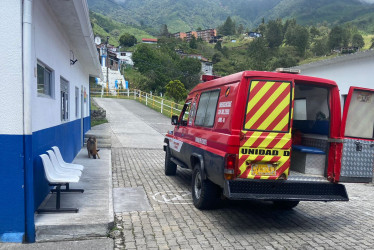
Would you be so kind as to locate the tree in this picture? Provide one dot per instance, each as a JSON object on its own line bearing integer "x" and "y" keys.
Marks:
{"x": 338, "y": 37}
{"x": 314, "y": 32}
{"x": 127, "y": 40}
{"x": 298, "y": 36}
{"x": 289, "y": 23}
{"x": 240, "y": 29}
{"x": 193, "y": 42}
{"x": 358, "y": 41}
{"x": 283, "y": 60}
{"x": 228, "y": 27}
{"x": 372, "y": 43}
{"x": 164, "y": 31}
{"x": 218, "y": 46}
{"x": 115, "y": 32}
{"x": 176, "y": 90}
{"x": 216, "y": 58}
{"x": 143, "y": 57}
{"x": 320, "y": 47}
{"x": 189, "y": 71}
{"x": 225, "y": 51}
{"x": 258, "y": 53}
{"x": 274, "y": 33}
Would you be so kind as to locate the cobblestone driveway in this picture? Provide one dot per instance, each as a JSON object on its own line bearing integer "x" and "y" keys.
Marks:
{"x": 234, "y": 225}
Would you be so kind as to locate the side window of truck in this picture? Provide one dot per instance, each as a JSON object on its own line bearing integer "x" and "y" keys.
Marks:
{"x": 192, "y": 114}
{"x": 206, "y": 109}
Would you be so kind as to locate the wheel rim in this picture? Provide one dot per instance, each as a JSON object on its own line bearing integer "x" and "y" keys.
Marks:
{"x": 197, "y": 188}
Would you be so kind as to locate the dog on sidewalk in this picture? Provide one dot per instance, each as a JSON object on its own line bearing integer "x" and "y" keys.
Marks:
{"x": 92, "y": 147}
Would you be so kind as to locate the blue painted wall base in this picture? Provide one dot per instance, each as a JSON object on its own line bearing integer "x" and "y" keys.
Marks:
{"x": 12, "y": 202}
{"x": 12, "y": 237}
{"x": 67, "y": 137}
{"x": 13, "y": 174}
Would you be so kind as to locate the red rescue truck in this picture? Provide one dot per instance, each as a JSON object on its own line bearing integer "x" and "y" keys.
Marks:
{"x": 270, "y": 136}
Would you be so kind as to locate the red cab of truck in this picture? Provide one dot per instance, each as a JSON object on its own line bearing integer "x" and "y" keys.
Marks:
{"x": 260, "y": 135}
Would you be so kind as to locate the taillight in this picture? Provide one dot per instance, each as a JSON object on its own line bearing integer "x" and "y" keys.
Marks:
{"x": 231, "y": 162}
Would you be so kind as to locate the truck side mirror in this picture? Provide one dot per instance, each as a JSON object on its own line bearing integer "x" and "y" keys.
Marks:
{"x": 174, "y": 120}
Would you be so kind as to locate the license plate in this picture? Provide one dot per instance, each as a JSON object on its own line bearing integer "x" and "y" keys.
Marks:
{"x": 263, "y": 169}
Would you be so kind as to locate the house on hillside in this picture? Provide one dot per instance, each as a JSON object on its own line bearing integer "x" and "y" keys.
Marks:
{"x": 110, "y": 57}
{"x": 216, "y": 39}
{"x": 253, "y": 34}
{"x": 190, "y": 34}
{"x": 181, "y": 35}
{"x": 149, "y": 40}
{"x": 206, "y": 65}
{"x": 205, "y": 35}
{"x": 47, "y": 59}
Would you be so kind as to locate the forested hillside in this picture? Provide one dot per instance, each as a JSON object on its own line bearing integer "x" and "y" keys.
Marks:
{"x": 104, "y": 26}
{"x": 184, "y": 15}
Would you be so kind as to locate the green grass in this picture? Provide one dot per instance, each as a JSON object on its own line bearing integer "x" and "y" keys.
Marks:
{"x": 98, "y": 122}
{"x": 95, "y": 122}
{"x": 316, "y": 59}
{"x": 104, "y": 26}
{"x": 367, "y": 40}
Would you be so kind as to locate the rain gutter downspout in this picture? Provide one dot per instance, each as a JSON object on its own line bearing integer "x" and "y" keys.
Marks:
{"x": 27, "y": 69}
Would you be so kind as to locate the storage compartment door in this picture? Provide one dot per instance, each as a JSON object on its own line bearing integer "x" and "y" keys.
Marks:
{"x": 358, "y": 132}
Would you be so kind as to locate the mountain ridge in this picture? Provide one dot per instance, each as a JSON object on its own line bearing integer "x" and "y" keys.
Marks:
{"x": 185, "y": 15}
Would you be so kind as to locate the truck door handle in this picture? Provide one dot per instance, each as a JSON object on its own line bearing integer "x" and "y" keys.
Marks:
{"x": 359, "y": 145}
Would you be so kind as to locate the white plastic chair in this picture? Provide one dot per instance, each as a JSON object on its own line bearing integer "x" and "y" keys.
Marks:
{"x": 63, "y": 163}
{"x": 59, "y": 169}
{"x": 56, "y": 179}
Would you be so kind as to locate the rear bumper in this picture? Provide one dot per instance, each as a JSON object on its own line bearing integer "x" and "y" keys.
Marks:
{"x": 284, "y": 190}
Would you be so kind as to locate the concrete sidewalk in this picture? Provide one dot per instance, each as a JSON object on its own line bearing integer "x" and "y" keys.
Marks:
{"x": 95, "y": 216}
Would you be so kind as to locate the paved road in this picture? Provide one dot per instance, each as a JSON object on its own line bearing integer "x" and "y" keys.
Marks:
{"x": 133, "y": 125}
{"x": 173, "y": 222}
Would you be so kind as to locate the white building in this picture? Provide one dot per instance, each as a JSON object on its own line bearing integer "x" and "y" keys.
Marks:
{"x": 47, "y": 57}
{"x": 348, "y": 70}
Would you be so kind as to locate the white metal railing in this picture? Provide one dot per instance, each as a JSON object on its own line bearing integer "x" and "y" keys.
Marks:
{"x": 157, "y": 103}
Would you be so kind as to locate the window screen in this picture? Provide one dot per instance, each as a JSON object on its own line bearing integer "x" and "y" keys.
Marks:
{"x": 64, "y": 99}
{"x": 44, "y": 80}
{"x": 76, "y": 102}
{"x": 360, "y": 118}
{"x": 206, "y": 110}
{"x": 300, "y": 110}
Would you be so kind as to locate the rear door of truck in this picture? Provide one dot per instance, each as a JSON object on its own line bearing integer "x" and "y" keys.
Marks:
{"x": 265, "y": 145}
{"x": 358, "y": 133}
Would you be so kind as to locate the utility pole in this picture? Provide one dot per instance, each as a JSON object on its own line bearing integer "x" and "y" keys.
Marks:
{"x": 107, "y": 55}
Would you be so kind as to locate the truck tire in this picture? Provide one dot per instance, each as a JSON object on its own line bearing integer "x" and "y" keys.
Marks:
{"x": 170, "y": 167}
{"x": 204, "y": 192}
{"x": 285, "y": 205}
